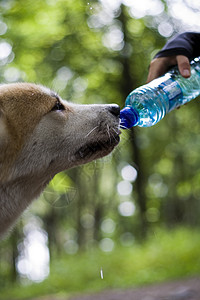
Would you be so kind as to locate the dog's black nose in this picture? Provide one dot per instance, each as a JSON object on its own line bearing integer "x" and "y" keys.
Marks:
{"x": 114, "y": 109}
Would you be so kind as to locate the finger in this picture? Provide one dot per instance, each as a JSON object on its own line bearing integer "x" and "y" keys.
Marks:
{"x": 153, "y": 74}
{"x": 156, "y": 69}
{"x": 183, "y": 65}
{"x": 159, "y": 66}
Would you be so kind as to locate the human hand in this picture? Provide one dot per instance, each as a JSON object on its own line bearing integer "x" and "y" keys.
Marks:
{"x": 159, "y": 66}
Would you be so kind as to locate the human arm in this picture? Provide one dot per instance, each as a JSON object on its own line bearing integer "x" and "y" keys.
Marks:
{"x": 177, "y": 51}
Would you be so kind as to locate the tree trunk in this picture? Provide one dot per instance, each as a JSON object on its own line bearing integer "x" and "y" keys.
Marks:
{"x": 127, "y": 85}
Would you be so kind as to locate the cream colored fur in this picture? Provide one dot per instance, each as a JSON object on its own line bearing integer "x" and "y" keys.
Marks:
{"x": 41, "y": 135}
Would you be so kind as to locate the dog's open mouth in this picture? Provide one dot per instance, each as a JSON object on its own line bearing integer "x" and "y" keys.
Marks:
{"x": 97, "y": 148}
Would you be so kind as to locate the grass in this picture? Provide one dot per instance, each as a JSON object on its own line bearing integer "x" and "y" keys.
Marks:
{"x": 164, "y": 256}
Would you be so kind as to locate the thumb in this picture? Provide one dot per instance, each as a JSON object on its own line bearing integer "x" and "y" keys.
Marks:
{"x": 183, "y": 65}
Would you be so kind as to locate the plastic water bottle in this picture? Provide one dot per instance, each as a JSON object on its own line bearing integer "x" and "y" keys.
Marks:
{"x": 148, "y": 104}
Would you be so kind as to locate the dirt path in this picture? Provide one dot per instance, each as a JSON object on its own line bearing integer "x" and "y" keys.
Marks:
{"x": 188, "y": 289}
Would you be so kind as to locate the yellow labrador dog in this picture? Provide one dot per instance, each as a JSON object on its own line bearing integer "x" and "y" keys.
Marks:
{"x": 41, "y": 135}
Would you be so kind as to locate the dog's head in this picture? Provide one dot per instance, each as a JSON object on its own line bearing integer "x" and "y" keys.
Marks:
{"x": 41, "y": 133}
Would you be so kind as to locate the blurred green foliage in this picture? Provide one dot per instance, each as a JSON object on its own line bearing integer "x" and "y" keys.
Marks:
{"x": 164, "y": 255}
{"x": 93, "y": 52}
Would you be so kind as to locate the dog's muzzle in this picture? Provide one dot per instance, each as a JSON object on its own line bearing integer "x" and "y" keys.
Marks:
{"x": 105, "y": 143}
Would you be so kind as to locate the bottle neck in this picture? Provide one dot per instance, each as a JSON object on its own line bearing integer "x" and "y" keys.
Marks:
{"x": 128, "y": 117}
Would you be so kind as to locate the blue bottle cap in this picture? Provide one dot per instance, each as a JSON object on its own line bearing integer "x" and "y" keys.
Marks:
{"x": 128, "y": 117}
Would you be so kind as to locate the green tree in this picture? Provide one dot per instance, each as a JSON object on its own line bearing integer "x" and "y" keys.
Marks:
{"x": 93, "y": 53}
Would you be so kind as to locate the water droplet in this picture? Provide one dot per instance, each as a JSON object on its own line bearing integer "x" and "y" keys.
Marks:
{"x": 101, "y": 273}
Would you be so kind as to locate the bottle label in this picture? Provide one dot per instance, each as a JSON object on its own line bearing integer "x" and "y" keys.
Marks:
{"x": 173, "y": 91}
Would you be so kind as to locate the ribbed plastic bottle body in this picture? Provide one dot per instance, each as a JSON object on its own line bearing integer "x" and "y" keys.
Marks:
{"x": 155, "y": 99}
{"x": 190, "y": 86}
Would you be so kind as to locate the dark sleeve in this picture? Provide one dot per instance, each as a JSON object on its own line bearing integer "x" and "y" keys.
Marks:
{"x": 187, "y": 43}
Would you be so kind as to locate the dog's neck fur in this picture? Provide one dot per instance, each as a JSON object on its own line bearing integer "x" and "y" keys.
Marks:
{"x": 15, "y": 196}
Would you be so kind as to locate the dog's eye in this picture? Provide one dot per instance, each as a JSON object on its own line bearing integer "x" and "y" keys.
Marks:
{"x": 58, "y": 106}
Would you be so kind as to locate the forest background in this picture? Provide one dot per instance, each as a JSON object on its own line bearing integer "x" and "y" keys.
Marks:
{"x": 130, "y": 218}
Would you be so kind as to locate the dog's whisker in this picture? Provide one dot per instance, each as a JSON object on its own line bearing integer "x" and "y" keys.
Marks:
{"x": 114, "y": 137}
{"x": 124, "y": 127}
{"x": 117, "y": 132}
{"x": 108, "y": 131}
{"x": 91, "y": 131}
